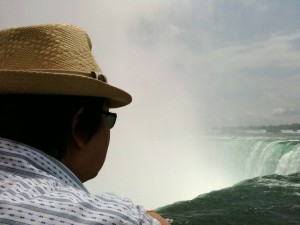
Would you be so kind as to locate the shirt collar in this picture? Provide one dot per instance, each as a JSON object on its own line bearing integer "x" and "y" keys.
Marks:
{"x": 40, "y": 163}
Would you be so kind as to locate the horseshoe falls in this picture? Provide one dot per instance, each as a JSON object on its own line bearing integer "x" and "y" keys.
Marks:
{"x": 265, "y": 173}
{"x": 251, "y": 156}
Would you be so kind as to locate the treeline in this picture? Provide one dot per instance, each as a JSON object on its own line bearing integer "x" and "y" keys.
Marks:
{"x": 268, "y": 128}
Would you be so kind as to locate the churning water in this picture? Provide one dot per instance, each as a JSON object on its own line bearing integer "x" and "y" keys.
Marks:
{"x": 266, "y": 167}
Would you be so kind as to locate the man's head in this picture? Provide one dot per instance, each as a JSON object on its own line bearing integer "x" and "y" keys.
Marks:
{"x": 46, "y": 121}
{"x": 64, "y": 127}
{"x": 54, "y": 97}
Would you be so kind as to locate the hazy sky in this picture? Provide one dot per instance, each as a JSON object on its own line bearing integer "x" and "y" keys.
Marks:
{"x": 189, "y": 65}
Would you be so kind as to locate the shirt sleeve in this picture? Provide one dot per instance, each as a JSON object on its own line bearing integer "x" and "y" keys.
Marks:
{"x": 132, "y": 214}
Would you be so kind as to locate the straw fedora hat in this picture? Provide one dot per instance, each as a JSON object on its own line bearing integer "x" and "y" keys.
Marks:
{"x": 53, "y": 59}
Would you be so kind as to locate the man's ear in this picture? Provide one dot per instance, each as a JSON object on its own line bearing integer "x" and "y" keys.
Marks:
{"x": 79, "y": 140}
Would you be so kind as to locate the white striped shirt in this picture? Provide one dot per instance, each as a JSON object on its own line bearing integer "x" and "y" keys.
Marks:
{"x": 35, "y": 188}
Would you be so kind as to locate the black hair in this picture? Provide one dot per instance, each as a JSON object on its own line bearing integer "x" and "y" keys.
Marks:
{"x": 45, "y": 121}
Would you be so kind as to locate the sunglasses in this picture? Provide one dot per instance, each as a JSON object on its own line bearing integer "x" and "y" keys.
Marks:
{"x": 110, "y": 118}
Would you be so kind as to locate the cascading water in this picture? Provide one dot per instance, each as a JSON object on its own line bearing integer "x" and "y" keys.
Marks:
{"x": 252, "y": 156}
{"x": 289, "y": 162}
{"x": 267, "y": 168}
{"x": 280, "y": 157}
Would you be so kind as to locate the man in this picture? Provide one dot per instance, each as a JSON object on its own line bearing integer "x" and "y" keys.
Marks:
{"x": 55, "y": 130}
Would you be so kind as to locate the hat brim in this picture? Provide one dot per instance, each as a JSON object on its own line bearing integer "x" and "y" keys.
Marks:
{"x": 30, "y": 82}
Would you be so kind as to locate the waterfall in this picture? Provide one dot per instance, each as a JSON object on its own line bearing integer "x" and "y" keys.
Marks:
{"x": 280, "y": 157}
{"x": 289, "y": 162}
{"x": 249, "y": 157}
